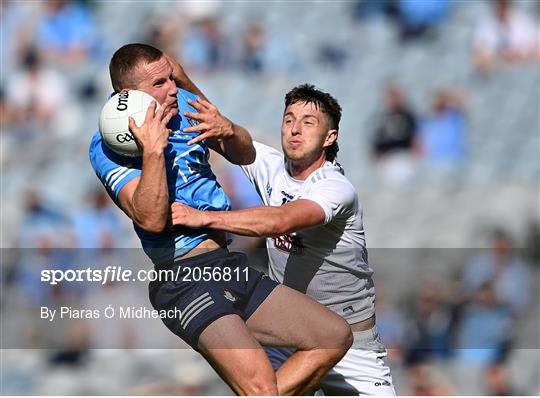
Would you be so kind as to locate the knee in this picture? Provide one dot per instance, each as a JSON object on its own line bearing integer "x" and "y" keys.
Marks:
{"x": 339, "y": 341}
{"x": 337, "y": 336}
{"x": 261, "y": 385}
{"x": 344, "y": 336}
{"x": 332, "y": 343}
{"x": 258, "y": 381}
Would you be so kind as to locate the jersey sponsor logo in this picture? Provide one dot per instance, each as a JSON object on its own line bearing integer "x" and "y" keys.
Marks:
{"x": 122, "y": 101}
{"x": 287, "y": 195}
{"x": 229, "y": 296}
{"x": 123, "y": 138}
{"x": 290, "y": 243}
{"x": 286, "y": 198}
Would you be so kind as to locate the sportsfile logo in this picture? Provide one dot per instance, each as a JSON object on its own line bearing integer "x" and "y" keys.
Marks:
{"x": 110, "y": 273}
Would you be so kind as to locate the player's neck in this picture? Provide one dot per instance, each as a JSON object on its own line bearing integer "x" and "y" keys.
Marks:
{"x": 300, "y": 170}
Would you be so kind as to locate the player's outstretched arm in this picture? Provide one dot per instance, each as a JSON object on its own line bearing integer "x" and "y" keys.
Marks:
{"x": 145, "y": 199}
{"x": 222, "y": 135}
{"x": 262, "y": 221}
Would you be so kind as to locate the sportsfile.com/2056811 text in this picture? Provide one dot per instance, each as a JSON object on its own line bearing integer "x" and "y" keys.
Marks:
{"x": 114, "y": 273}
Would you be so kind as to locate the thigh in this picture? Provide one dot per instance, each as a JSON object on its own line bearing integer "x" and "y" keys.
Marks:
{"x": 277, "y": 356}
{"x": 237, "y": 357}
{"x": 208, "y": 286}
{"x": 288, "y": 318}
{"x": 199, "y": 303}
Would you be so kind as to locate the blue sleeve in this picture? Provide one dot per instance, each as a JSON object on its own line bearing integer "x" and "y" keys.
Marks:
{"x": 113, "y": 171}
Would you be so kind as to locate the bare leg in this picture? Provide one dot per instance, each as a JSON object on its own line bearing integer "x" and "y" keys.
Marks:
{"x": 288, "y": 318}
{"x": 237, "y": 357}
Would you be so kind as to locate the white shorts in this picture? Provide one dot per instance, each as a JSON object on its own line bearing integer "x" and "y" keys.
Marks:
{"x": 361, "y": 371}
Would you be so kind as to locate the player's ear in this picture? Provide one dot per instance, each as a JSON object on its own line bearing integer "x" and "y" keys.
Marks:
{"x": 331, "y": 137}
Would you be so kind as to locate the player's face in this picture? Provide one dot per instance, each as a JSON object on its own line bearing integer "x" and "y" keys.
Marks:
{"x": 156, "y": 79}
{"x": 305, "y": 132}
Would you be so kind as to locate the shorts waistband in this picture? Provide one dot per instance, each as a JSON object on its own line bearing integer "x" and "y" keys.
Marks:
{"x": 365, "y": 336}
{"x": 198, "y": 259}
{"x": 368, "y": 339}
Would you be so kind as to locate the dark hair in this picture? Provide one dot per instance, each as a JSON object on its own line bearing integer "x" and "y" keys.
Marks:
{"x": 126, "y": 59}
{"x": 325, "y": 102}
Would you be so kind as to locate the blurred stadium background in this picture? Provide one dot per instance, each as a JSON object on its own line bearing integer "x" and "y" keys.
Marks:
{"x": 440, "y": 135}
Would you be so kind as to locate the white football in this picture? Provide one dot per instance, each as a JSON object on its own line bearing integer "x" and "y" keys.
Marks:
{"x": 114, "y": 123}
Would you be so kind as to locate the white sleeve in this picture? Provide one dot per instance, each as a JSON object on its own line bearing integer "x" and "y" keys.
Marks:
{"x": 336, "y": 197}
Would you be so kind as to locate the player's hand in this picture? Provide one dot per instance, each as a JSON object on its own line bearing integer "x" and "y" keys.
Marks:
{"x": 183, "y": 215}
{"x": 153, "y": 134}
{"x": 212, "y": 124}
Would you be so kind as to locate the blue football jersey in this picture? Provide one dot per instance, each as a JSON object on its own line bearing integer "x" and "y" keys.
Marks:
{"x": 190, "y": 180}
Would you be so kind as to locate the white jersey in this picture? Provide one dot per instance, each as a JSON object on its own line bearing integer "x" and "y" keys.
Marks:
{"x": 328, "y": 262}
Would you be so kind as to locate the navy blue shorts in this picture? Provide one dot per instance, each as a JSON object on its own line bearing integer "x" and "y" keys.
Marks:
{"x": 204, "y": 292}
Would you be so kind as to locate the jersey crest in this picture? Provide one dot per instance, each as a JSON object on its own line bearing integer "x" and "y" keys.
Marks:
{"x": 193, "y": 122}
{"x": 290, "y": 243}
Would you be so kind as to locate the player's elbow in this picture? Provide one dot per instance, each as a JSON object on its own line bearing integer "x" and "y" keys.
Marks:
{"x": 277, "y": 226}
{"x": 246, "y": 157}
{"x": 270, "y": 228}
{"x": 249, "y": 156}
{"x": 260, "y": 232}
{"x": 153, "y": 227}
{"x": 150, "y": 220}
